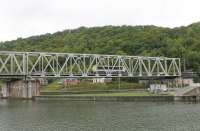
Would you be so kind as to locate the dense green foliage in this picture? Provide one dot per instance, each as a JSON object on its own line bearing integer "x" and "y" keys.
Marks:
{"x": 181, "y": 42}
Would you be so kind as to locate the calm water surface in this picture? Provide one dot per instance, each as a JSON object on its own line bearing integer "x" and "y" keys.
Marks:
{"x": 98, "y": 116}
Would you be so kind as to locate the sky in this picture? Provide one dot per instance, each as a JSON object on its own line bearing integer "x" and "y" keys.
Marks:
{"x": 24, "y": 18}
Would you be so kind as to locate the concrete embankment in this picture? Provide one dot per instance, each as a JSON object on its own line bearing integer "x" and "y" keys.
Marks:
{"x": 106, "y": 98}
{"x": 116, "y": 98}
{"x": 119, "y": 98}
{"x": 187, "y": 98}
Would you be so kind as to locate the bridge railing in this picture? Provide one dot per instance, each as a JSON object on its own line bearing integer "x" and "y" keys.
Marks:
{"x": 43, "y": 64}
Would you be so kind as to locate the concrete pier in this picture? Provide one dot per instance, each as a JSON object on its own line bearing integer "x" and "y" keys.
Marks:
{"x": 20, "y": 89}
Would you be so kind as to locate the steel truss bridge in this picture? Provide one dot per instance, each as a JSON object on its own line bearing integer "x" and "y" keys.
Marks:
{"x": 44, "y": 64}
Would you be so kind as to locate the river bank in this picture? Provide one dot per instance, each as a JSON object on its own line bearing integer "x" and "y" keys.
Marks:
{"x": 111, "y": 98}
{"x": 120, "y": 98}
{"x": 110, "y": 95}
{"x": 113, "y": 95}
{"x": 105, "y": 98}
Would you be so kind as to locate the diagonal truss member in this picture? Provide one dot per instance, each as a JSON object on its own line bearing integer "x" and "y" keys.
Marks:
{"x": 43, "y": 64}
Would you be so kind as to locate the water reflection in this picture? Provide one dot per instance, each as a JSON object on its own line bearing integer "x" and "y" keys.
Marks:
{"x": 98, "y": 116}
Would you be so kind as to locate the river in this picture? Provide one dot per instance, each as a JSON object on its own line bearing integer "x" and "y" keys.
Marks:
{"x": 21, "y": 115}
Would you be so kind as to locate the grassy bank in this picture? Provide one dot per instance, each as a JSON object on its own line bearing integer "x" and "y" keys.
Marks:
{"x": 86, "y": 88}
{"x": 126, "y": 93}
{"x": 119, "y": 94}
{"x": 84, "y": 85}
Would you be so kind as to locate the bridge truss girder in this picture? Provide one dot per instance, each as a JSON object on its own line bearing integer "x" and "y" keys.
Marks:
{"x": 43, "y": 64}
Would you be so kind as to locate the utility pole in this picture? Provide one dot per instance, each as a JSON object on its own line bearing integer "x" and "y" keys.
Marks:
{"x": 184, "y": 66}
{"x": 118, "y": 83}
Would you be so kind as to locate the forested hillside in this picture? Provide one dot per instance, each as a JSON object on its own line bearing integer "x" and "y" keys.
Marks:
{"x": 181, "y": 42}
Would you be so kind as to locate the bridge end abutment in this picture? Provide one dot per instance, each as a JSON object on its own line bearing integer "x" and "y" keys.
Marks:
{"x": 20, "y": 89}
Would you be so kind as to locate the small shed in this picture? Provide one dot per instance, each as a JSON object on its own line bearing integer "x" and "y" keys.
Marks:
{"x": 101, "y": 80}
{"x": 71, "y": 81}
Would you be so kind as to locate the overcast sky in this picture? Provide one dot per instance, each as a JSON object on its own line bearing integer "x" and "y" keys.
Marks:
{"x": 23, "y": 18}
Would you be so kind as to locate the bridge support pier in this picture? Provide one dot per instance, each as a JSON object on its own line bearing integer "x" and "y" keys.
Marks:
{"x": 20, "y": 89}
